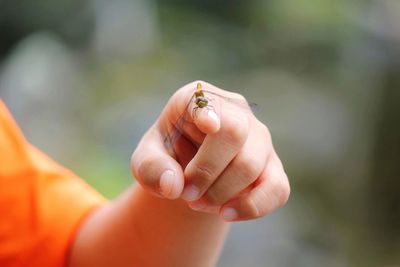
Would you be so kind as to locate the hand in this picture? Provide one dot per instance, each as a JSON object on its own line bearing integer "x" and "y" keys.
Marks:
{"x": 224, "y": 161}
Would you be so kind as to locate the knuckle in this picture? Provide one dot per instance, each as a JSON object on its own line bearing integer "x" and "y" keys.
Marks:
{"x": 214, "y": 197}
{"x": 282, "y": 192}
{"x": 204, "y": 173}
{"x": 249, "y": 167}
{"x": 239, "y": 97}
{"x": 146, "y": 170}
{"x": 252, "y": 208}
{"x": 266, "y": 132}
{"x": 235, "y": 130}
{"x": 133, "y": 164}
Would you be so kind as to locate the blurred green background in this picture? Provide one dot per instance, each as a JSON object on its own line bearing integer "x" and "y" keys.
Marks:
{"x": 85, "y": 79}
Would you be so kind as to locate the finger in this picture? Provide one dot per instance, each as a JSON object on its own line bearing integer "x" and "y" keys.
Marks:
{"x": 271, "y": 191}
{"x": 243, "y": 170}
{"x": 155, "y": 169}
{"x": 215, "y": 154}
{"x": 206, "y": 119}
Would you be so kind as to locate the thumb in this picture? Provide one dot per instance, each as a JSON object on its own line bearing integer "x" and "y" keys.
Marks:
{"x": 155, "y": 169}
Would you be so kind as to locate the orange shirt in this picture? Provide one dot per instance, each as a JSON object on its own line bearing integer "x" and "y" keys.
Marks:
{"x": 41, "y": 203}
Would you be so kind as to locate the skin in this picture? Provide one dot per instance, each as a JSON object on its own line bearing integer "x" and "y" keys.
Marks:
{"x": 223, "y": 168}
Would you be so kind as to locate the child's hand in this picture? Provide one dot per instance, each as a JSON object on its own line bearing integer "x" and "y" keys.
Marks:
{"x": 223, "y": 162}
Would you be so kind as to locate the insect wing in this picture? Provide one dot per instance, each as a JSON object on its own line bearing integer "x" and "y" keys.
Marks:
{"x": 177, "y": 129}
{"x": 244, "y": 104}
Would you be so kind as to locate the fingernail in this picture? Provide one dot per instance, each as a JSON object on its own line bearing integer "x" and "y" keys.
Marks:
{"x": 211, "y": 209}
{"x": 229, "y": 214}
{"x": 190, "y": 193}
{"x": 211, "y": 113}
{"x": 198, "y": 205}
{"x": 166, "y": 182}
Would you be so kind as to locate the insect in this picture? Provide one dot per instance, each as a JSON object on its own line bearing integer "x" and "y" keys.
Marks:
{"x": 200, "y": 99}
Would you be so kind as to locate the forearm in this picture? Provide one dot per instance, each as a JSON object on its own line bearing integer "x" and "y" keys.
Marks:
{"x": 139, "y": 229}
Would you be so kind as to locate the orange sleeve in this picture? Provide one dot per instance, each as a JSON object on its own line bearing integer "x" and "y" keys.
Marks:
{"x": 41, "y": 203}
